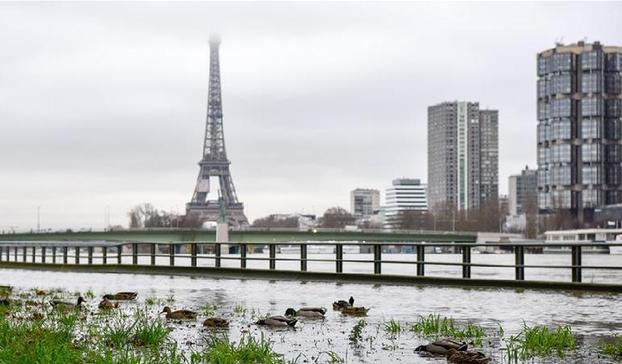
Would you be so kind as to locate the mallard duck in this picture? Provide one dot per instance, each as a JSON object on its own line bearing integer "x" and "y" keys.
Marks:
{"x": 105, "y": 304}
{"x": 277, "y": 321}
{"x": 215, "y": 322}
{"x": 466, "y": 357}
{"x": 121, "y": 296}
{"x": 355, "y": 311}
{"x": 341, "y": 304}
{"x": 67, "y": 305}
{"x": 179, "y": 314}
{"x": 442, "y": 347}
{"x": 40, "y": 292}
{"x": 311, "y": 312}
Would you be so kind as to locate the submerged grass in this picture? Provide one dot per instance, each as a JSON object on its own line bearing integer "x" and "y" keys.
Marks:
{"x": 249, "y": 350}
{"x": 612, "y": 349}
{"x": 435, "y": 325}
{"x": 539, "y": 341}
{"x": 393, "y": 328}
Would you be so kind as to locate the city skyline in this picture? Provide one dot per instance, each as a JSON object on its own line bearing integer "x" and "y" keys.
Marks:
{"x": 112, "y": 115}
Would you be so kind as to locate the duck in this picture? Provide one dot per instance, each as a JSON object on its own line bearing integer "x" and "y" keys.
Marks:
{"x": 341, "y": 304}
{"x": 122, "y": 296}
{"x": 179, "y": 314}
{"x": 277, "y": 321}
{"x": 355, "y": 311}
{"x": 215, "y": 322}
{"x": 67, "y": 305}
{"x": 40, "y": 292}
{"x": 442, "y": 347}
{"x": 466, "y": 357}
{"x": 310, "y": 312}
{"x": 5, "y": 302}
{"x": 105, "y": 304}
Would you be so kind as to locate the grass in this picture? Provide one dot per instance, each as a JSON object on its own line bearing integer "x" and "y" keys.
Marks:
{"x": 393, "y": 328}
{"x": 539, "y": 341}
{"x": 435, "y": 325}
{"x": 356, "y": 334}
{"x": 151, "y": 301}
{"x": 209, "y": 309}
{"x": 612, "y": 349}
{"x": 239, "y": 309}
{"x": 248, "y": 350}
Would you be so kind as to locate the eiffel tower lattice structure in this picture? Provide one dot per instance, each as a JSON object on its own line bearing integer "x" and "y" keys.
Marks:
{"x": 214, "y": 162}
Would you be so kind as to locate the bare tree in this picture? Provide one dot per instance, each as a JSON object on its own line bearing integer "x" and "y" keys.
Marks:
{"x": 415, "y": 220}
{"x": 145, "y": 215}
{"x": 336, "y": 217}
{"x": 276, "y": 221}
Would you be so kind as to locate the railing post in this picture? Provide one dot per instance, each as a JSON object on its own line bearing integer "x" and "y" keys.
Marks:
{"x": 1, "y": 251}
{"x": 272, "y": 250}
{"x": 339, "y": 256}
{"x": 377, "y": 258}
{"x": 53, "y": 254}
{"x": 153, "y": 249}
{"x": 420, "y": 260}
{"x": 519, "y": 263}
{"x": 134, "y": 253}
{"x": 77, "y": 254}
{"x": 217, "y": 254}
{"x": 119, "y": 254}
{"x": 34, "y": 253}
{"x": 193, "y": 254}
{"x": 15, "y": 252}
{"x": 90, "y": 254}
{"x": 303, "y": 257}
{"x": 104, "y": 255}
{"x": 8, "y": 251}
{"x": 466, "y": 261}
{"x": 576, "y": 263}
{"x": 24, "y": 253}
{"x": 43, "y": 249}
{"x": 171, "y": 254}
{"x": 65, "y": 255}
{"x": 243, "y": 249}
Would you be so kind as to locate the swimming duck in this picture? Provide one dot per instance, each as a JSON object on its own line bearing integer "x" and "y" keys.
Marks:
{"x": 105, "y": 304}
{"x": 215, "y": 322}
{"x": 179, "y": 314}
{"x": 354, "y": 311}
{"x": 68, "y": 305}
{"x": 442, "y": 347}
{"x": 341, "y": 304}
{"x": 277, "y": 321}
{"x": 121, "y": 296}
{"x": 311, "y": 312}
{"x": 466, "y": 357}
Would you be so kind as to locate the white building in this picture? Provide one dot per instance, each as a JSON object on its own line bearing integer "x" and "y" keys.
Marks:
{"x": 364, "y": 202}
{"x": 404, "y": 194}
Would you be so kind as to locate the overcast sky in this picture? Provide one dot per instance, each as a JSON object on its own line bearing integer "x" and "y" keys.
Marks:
{"x": 103, "y": 104}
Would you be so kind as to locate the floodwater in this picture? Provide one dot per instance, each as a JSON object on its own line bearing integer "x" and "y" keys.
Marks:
{"x": 593, "y": 316}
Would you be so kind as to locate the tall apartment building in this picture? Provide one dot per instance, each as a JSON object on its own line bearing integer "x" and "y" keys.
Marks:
{"x": 363, "y": 202}
{"x": 463, "y": 155}
{"x": 523, "y": 188}
{"x": 404, "y": 194}
{"x": 579, "y": 128}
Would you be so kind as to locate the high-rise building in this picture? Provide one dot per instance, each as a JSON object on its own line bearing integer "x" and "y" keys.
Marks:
{"x": 579, "y": 128}
{"x": 364, "y": 202}
{"x": 404, "y": 194}
{"x": 463, "y": 155}
{"x": 523, "y": 189}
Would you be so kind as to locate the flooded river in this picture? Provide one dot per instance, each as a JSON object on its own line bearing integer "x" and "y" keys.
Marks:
{"x": 592, "y": 316}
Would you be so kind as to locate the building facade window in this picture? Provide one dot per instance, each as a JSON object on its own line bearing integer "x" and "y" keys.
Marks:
{"x": 591, "y": 106}
{"x": 591, "y": 128}
{"x": 591, "y": 175}
{"x": 591, "y": 83}
{"x": 592, "y": 60}
{"x": 591, "y": 153}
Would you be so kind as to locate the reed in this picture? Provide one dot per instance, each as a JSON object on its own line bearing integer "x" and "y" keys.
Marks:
{"x": 539, "y": 341}
{"x": 612, "y": 349}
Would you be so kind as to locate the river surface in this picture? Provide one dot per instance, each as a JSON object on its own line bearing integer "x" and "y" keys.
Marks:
{"x": 593, "y": 316}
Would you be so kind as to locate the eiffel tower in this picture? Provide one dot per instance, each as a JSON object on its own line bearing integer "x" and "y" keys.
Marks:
{"x": 214, "y": 162}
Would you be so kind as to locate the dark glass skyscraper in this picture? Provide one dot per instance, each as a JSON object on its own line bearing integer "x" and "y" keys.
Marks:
{"x": 579, "y": 128}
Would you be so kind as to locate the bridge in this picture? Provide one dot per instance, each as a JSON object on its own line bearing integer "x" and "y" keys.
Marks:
{"x": 248, "y": 235}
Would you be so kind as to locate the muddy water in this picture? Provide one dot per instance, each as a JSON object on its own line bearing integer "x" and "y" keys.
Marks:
{"x": 592, "y": 316}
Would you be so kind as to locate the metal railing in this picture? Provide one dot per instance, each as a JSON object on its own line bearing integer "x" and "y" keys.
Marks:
{"x": 196, "y": 253}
